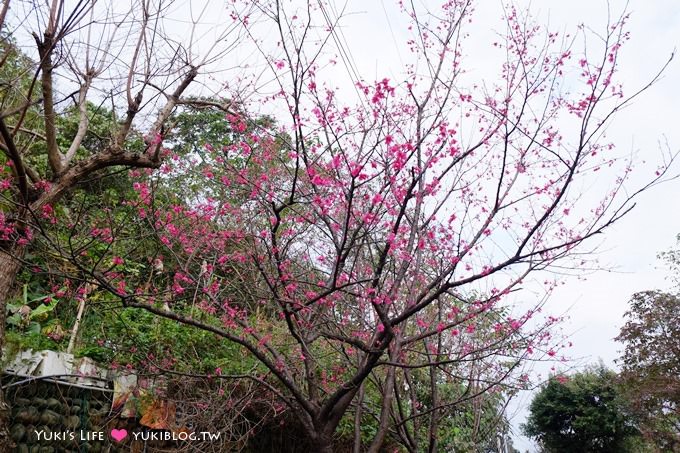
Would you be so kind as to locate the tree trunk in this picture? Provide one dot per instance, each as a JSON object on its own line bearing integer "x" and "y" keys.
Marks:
{"x": 357, "y": 420}
{"x": 387, "y": 394}
{"x": 384, "y": 422}
{"x": 323, "y": 444}
{"x": 434, "y": 416}
{"x": 9, "y": 269}
{"x": 6, "y": 443}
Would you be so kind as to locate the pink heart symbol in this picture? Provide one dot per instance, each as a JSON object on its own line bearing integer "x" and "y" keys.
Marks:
{"x": 119, "y": 434}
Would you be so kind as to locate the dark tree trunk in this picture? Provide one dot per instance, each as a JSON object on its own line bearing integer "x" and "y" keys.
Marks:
{"x": 6, "y": 443}
{"x": 323, "y": 446}
{"x": 9, "y": 269}
{"x": 357, "y": 420}
{"x": 386, "y": 409}
{"x": 322, "y": 430}
{"x": 383, "y": 424}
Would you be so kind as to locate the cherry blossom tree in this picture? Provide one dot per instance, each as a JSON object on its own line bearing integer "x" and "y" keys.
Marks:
{"x": 377, "y": 243}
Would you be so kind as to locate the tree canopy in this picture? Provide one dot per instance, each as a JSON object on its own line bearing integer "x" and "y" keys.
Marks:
{"x": 650, "y": 364}
{"x": 583, "y": 412}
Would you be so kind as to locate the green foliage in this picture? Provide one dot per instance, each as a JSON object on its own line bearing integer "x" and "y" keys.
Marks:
{"x": 204, "y": 142}
{"x": 23, "y": 341}
{"x": 650, "y": 364}
{"x": 473, "y": 424}
{"x": 145, "y": 341}
{"x": 584, "y": 413}
{"x": 32, "y": 322}
{"x": 194, "y": 127}
{"x": 29, "y": 315}
{"x": 17, "y": 75}
{"x": 16, "y": 79}
{"x": 16, "y": 72}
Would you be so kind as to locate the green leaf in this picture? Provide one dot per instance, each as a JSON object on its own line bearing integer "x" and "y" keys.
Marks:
{"x": 34, "y": 328}
{"x": 14, "y": 320}
{"x": 43, "y": 309}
